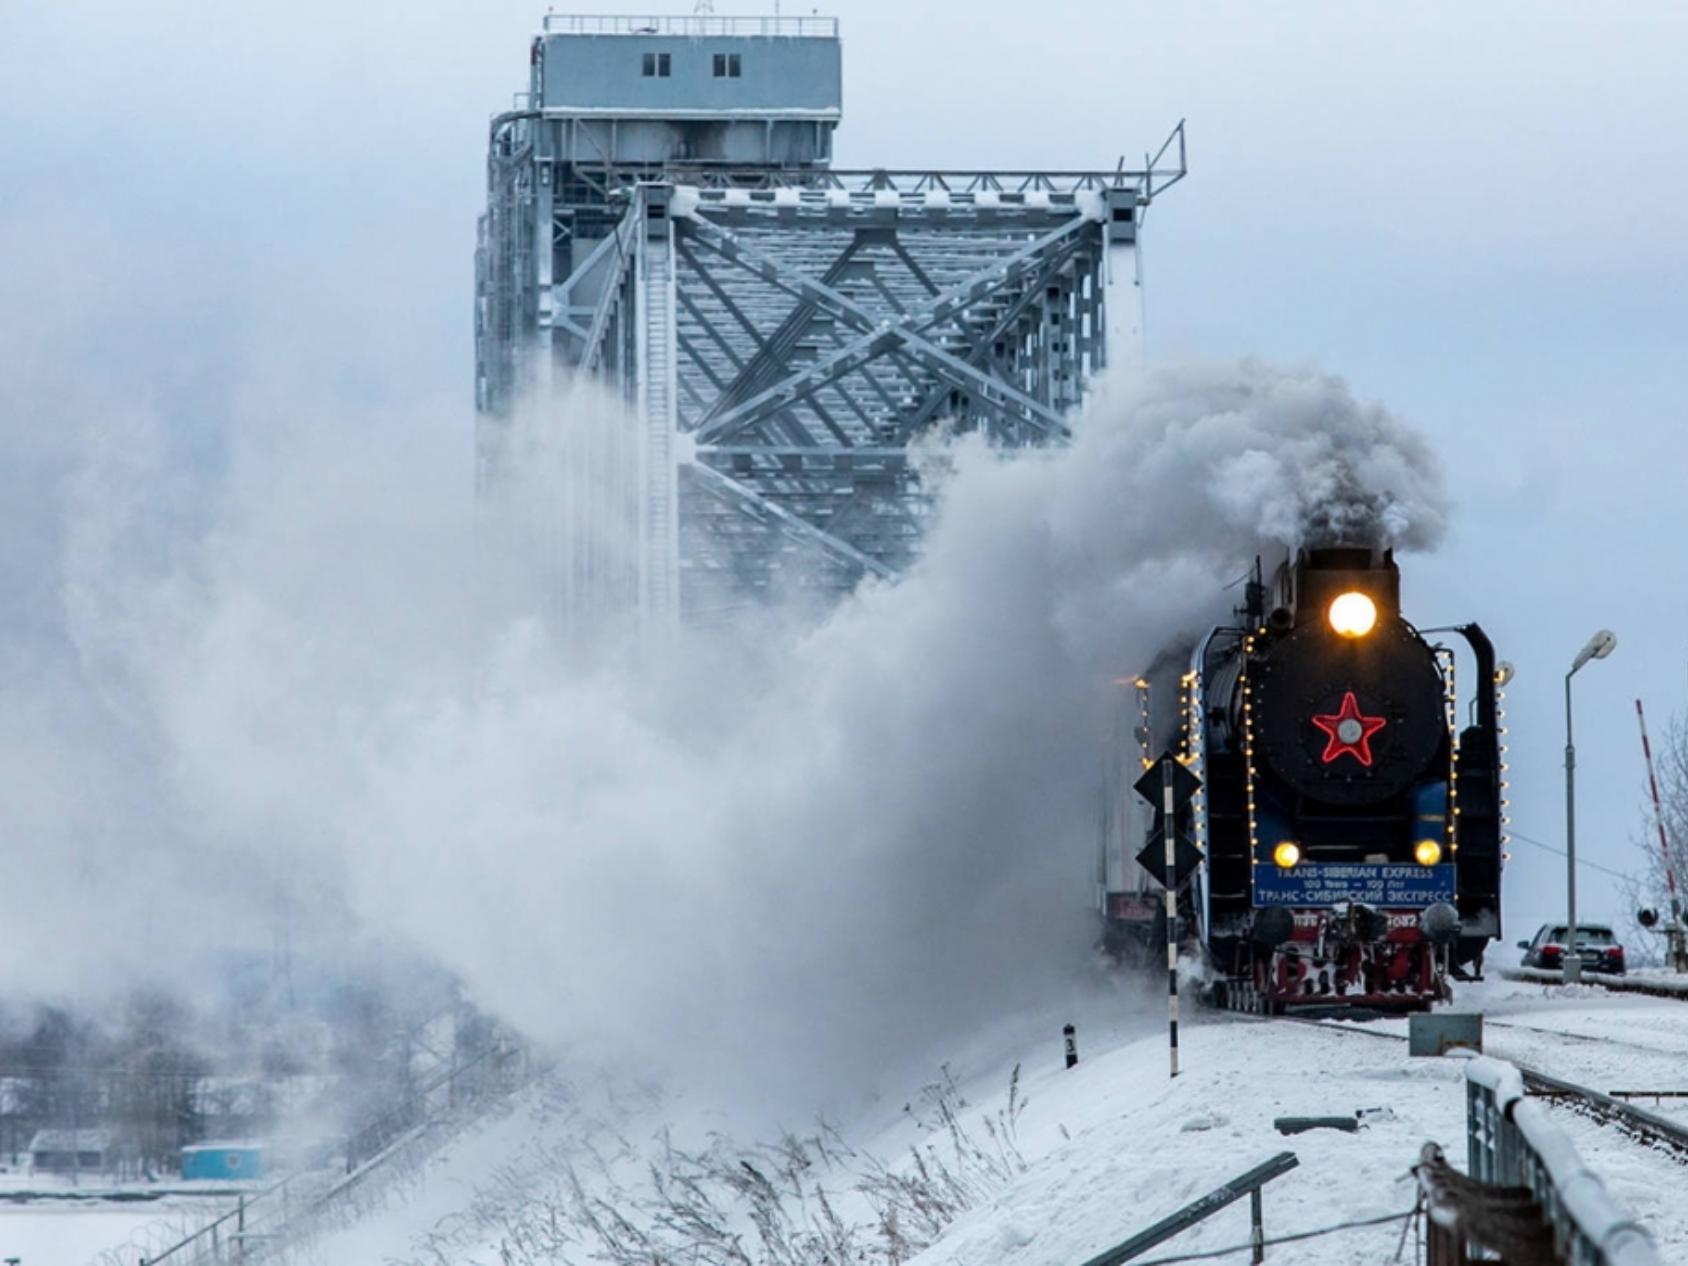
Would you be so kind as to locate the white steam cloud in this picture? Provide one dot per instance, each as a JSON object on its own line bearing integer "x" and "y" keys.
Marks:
{"x": 779, "y": 855}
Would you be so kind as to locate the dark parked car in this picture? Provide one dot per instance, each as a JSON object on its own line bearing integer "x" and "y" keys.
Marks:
{"x": 1599, "y": 948}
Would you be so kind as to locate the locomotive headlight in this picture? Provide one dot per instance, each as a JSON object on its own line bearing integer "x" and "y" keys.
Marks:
{"x": 1287, "y": 854}
{"x": 1352, "y": 614}
{"x": 1428, "y": 852}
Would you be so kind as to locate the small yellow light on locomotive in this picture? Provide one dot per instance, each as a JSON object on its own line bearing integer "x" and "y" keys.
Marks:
{"x": 1287, "y": 854}
{"x": 1428, "y": 852}
{"x": 1352, "y": 614}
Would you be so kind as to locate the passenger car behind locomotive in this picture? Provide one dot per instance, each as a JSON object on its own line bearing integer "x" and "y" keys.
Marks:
{"x": 1350, "y": 818}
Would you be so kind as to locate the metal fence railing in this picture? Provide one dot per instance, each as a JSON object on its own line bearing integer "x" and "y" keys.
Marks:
{"x": 268, "y": 1216}
{"x": 230, "y": 1237}
{"x": 1248, "y": 1184}
{"x": 1526, "y": 1190}
{"x": 467, "y": 1080}
{"x": 695, "y": 26}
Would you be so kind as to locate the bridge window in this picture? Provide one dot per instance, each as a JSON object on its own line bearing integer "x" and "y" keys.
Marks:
{"x": 726, "y": 65}
{"x": 656, "y": 66}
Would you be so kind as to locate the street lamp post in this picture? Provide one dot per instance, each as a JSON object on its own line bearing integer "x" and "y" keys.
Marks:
{"x": 1599, "y": 646}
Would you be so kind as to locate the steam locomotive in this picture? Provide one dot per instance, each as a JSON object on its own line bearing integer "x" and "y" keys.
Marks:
{"x": 1347, "y": 834}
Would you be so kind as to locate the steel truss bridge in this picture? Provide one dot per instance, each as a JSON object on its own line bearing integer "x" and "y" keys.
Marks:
{"x": 781, "y": 340}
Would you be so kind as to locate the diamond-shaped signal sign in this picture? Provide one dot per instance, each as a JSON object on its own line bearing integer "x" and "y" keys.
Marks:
{"x": 1185, "y": 858}
{"x": 1184, "y": 783}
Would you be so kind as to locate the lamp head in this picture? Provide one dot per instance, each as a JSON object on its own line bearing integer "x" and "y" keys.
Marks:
{"x": 1599, "y": 646}
{"x": 1352, "y": 614}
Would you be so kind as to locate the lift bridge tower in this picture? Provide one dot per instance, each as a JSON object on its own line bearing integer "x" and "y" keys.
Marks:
{"x": 774, "y": 333}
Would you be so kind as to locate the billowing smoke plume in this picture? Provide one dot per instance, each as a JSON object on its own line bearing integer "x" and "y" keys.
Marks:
{"x": 782, "y": 853}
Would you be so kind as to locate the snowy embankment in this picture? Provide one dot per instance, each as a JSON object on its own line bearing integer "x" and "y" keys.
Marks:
{"x": 1076, "y": 1162}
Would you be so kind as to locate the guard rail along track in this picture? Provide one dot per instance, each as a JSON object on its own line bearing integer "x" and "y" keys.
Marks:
{"x": 1527, "y": 1193}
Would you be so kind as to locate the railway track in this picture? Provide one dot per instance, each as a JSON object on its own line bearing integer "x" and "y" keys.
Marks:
{"x": 1640, "y": 1124}
{"x": 1648, "y": 1128}
{"x": 1586, "y": 1039}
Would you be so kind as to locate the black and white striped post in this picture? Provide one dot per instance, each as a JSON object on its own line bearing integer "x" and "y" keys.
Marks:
{"x": 1169, "y": 808}
{"x": 1175, "y": 860}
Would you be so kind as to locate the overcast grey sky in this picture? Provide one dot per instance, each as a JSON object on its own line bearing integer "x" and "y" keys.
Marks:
{"x": 1471, "y": 212}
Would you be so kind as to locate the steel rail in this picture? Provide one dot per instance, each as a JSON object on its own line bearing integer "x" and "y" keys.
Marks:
{"x": 1640, "y": 1124}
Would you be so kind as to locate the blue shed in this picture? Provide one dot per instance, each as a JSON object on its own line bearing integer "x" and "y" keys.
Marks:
{"x": 223, "y": 1161}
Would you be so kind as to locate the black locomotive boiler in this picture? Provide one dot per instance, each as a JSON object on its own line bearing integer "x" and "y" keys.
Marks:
{"x": 1348, "y": 831}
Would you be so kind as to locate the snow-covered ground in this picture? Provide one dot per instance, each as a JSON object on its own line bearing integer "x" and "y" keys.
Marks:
{"x": 1584, "y": 1034}
{"x": 71, "y": 1233}
{"x": 1082, "y": 1159}
{"x": 1105, "y": 1149}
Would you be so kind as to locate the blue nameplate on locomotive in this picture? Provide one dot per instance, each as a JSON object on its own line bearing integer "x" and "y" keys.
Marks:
{"x": 1370, "y": 883}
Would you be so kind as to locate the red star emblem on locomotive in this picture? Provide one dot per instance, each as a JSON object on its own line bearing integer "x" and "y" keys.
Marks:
{"x": 1349, "y": 731}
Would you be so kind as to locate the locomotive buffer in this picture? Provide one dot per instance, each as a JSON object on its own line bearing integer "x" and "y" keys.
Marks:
{"x": 1169, "y": 785}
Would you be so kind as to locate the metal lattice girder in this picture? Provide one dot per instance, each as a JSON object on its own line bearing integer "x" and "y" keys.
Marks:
{"x": 817, "y": 409}
{"x": 983, "y": 346}
{"x": 906, "y": 246}
{"x": 1045, "y": 255}
{"x": 881, "y": 335}
{"x": 827, "y": 487}
{"x": 612, "y": 294}
{"x": 562, "y": 311}
{"x": 782, "y": 522}
{"x": 1146, "y": 184}
{"x": 772, "y": 353}
{"x": 732, "y": 318}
